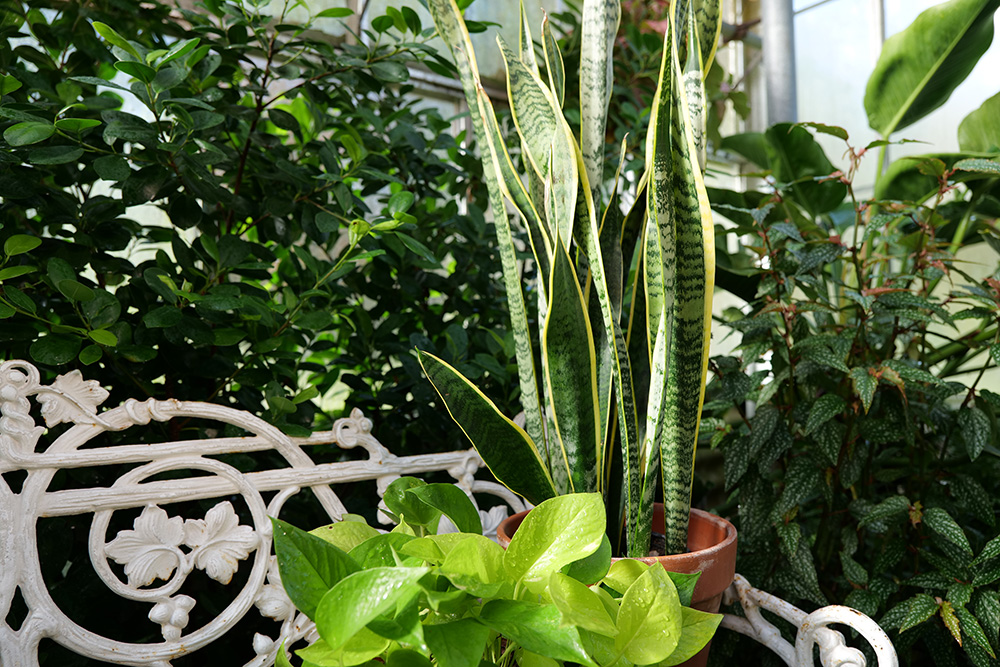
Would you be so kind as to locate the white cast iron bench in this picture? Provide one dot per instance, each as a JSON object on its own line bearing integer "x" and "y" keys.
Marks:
{"x": 162, "y": 548}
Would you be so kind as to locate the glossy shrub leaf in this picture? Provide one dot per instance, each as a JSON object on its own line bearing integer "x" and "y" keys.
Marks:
{"x": 580, "y": 606}
{"x": 113, "y": 38}
{"x": 103, "y": 337}
{"x": 944, "y": 525}
{"x": 920, "y": 67}
{"x": 10, "y": 272}
{"x": 554, "y": 534}
{"x": 74, "y": 290}
{"x": 697, "y": 629}
{"x": 55, "y": 155}
{"x": 457, "y": 643}
{"x": 18, "y": 244}
{"x": 309, "y": 566}
{"x": 649, "y": 620}
{"x": 979, "y": 132}
{"x": 28, "y": 132}
{"x": 8, "y": 84}
{"x": 536, "y": 627}
{"x": 359, "y": 598}
{"x": 76, "y": 125}
{"x": 506, "y": 449}
{"x": 54, "y": 349}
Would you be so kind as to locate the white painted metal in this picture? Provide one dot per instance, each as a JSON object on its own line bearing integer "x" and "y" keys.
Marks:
{"x": 813, "y": 629}
{"x": 161, "y": 549}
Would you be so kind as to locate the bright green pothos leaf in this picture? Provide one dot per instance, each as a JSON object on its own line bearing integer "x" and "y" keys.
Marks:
{"x": 451, "y": 501}
{"x": 920, "y": 67}
{"x": 580, "y": 606}
{"x": 599, "y": 27}
{"x": 571, "y": 377}
{"x": 451, "y": 27}
{"x": 506, "y": 449}
{"x": 345, "y": 535}
{"x": 536, "y": 627}
{"x": 359, "y": 598}
{"x": 362, "y": 647}
{"x": 554, "y": 534}
{"x": 697, "y": 628}
{"x": 457, "y": 643}
{"x": 309, "y": 565}
{"x": 649, "y": 620}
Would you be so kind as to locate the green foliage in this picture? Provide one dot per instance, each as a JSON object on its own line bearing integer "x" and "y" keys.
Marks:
{"x": 211, "y": 204}
{"x": 460, "y": 599}
{"x": 874, "y": 440}
{"x": 614, "y": 347}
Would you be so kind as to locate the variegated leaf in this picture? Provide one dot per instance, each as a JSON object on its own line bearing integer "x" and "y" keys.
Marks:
{"x": 571, "y": 376}
{"x": 553, "y": 62}
{"x": 599, "y": 26}
{"x": 941, "y": 523}
{"x": 507, "y": 450}
{"x": 451, "y": 27}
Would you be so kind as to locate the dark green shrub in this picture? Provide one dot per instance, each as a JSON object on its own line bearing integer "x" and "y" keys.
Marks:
{"x": 312, "y": 232}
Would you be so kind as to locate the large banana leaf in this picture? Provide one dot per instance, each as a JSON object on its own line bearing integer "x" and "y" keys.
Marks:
{"x": 979, "y": 132}
{"x": 506, "y": 449}
{"x": 450, "y": 25}
{"x": 920, "y": 67}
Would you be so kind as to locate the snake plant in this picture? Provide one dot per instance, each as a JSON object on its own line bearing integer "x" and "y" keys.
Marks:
{"x": 612, "y": 387}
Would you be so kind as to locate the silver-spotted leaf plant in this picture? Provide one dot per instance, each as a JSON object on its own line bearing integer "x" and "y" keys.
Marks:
{"x": 612, "y": 387}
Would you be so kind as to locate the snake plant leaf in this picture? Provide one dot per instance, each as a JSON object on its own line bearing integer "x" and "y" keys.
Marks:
{"x": 571, "y": 376}
{"x": 979, "y": 132}
{"x": 599, "y": 27}
{"x": 706, "y": 18}
{"x": 540, "y": 124}
{"x": 687, "y": 351}
{"x": 451, "y": 27}
{"x": 553, "y": 62}
{"x": 610, "y": 234}
{"x": 525, "y": 44}
{"x": 920, "y": 67}
{"x": 505, "y": 448}
{"x": 621, "y": 369}
{"x": 512, "y": 187}
{"x": 694, "y": 88}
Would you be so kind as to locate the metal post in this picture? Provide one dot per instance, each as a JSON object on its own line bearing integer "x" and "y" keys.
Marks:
{"x": 778, "y": 21}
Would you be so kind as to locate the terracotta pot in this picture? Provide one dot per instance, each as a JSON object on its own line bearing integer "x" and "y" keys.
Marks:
{"x": 711, "y": 551}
